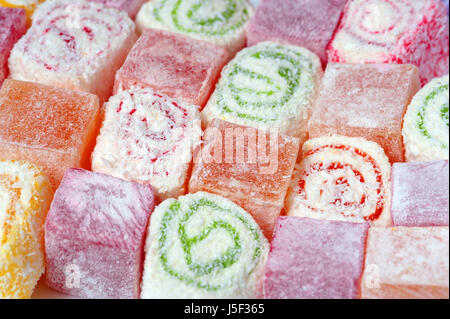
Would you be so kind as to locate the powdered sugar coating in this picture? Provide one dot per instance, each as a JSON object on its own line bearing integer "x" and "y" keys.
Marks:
{"x": 25, "y": 196}
{"x": 446, "y": 4}
{"x": 267, "y": 86}
{"x": 172, "y": 64}
{"x": 403, "y": 31}
{"x": 73, "y": 44}
{"x": 259, "y": 182}
{"x": 406, "y": 262}
{"x": 369, "y": 101}
{"x": 94, "y": 235}
{"x": 305, "y": 23}
{"x": 28, "y": 5}
{"x": 129, "y": 6}
{"x": 342, "y": 178}
{"x": 222, "y": 22}
{"x": 203, "y": 246}
{"x": 48, "y": 126}
{"x": 12, "y": 27}
{"x": 425, "y": 125}
{"x": 420, "y": 194}
{"x": 148, "y": 138}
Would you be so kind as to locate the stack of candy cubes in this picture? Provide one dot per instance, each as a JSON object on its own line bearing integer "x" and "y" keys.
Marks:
{"x": 293, "y": 149}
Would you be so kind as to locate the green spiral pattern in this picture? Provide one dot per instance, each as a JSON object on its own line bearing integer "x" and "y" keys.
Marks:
{"x": 202, "y": 17}
{"x": 426, "y": 122}
{"x": 266, "y": 83}
{"x": 246, "y": 248}
{"x": 429, "y": 101}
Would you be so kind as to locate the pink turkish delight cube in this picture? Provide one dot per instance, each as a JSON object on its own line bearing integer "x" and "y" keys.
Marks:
{"x": 94, "y": 235}
{"x": 315, "y": 259}
{"x": 420, "y": 192}
{"x": 129, "y": 6}
{"x": 306, "y": 23}
{"x": 13, "y": 24}
{"x": 173, "y": 64}
{"x": 365, "y": 100}
{"x": 386, "y": 31}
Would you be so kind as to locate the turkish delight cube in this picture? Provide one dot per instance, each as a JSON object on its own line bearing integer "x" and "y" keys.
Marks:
{"x": 315, "y": 259}
{"x": 51, "y": 127}
{"x": 369, "y": 101}
{"x": 94, "y": 235}
{"x": 306, "y": 23}
{"x": 248, "y": 166}
{"x": 172, "y": 64}
{"x": 406, "y": 262}
{"x": 420, "y": 194}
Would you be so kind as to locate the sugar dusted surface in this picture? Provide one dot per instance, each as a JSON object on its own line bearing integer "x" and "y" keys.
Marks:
{"x": 222, "y": 22}
{"x": 148, "y": 138}
{"x": 96, "y": 225}
{"x": 259, "y": 185}
{"x": 425, "y": 125}
{"x": 342, "y": 178}
{"x": 129, "y": 6}
{"x": 12, "y": 27}
{"x": 365, "y": 101}
{"x": 410, "y": 31}
{"x": 25, "y": 196}
{"x": 88, "y": 43}
{"x": 173, "y": 64}
{"x": 51, "y": 127}
{"x": 267, "y": 86}
{"x": 315, "y": 259}
{"x": 28, "y": 5}
{"x": 407, "y": 262}
{"x": 306, "y": 23}
{"x": 222, "y": 232}
{"x": 420, "y": 193}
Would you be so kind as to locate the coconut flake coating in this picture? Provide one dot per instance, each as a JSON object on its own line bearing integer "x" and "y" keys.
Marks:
{"x": 203, "y": 246}
{"x": 73, "y": 44}
{"x": 267, "y": 86}
{"x": 401, "y": 31}
{"x": 223, "y": 22}
{"x": 148, "y": 138}
{"x": 342, "y": 178}
{"x": 25, "y": 196}
{"x": 425, "y": 125}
